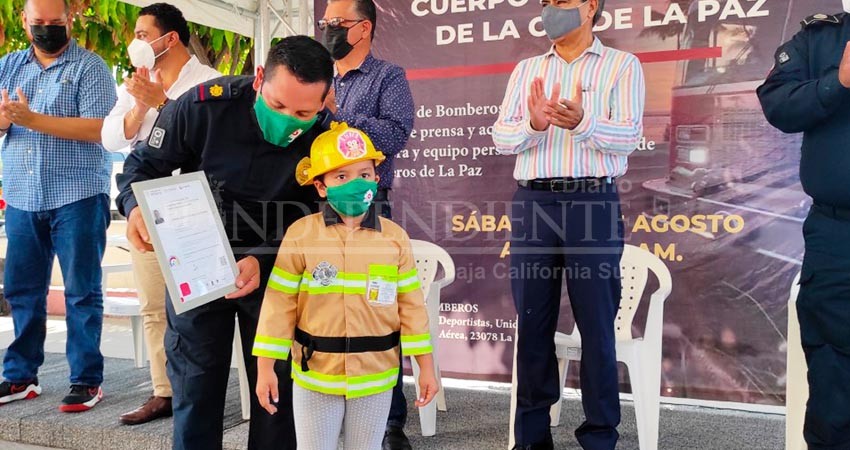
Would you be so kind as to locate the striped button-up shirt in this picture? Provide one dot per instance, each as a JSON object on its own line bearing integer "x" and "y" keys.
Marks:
{"x": 613, "y": 95}
{"x": 43, "y": 172}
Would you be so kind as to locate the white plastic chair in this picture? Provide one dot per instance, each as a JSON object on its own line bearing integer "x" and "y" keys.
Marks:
{"x": 428, "y": 259}
{"x": 129, "y": 307}
{"x": 126, "y": 307}
{"x": 242, "y": 373}
{"x": 642, "y": 356}
{"x": 796, "y": 383}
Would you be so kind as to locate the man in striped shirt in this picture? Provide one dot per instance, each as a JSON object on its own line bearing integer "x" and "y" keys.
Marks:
{"x": 572, "y": 116}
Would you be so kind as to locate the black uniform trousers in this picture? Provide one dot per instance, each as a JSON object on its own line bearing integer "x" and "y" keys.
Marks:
{"x": 577, "y": 236}
{"x": 199, "y": 346}
{"x": 823, "y": 308}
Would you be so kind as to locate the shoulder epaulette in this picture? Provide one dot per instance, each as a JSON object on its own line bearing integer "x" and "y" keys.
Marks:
{"x": 821, "y": 19}
{"x": 213, "y": 90}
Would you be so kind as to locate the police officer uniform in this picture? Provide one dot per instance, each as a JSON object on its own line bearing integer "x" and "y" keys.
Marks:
{"x": 214, "y": 128}
{"x": 803, "y": 94}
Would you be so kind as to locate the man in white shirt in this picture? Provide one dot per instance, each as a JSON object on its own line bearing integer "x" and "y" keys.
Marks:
{"x": 165, "y": 70}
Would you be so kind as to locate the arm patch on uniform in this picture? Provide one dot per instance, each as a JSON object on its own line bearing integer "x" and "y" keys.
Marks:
{"x": 157, "y": 137}
{"x": 784, "y": 55}
{"x": 819, "y": 19}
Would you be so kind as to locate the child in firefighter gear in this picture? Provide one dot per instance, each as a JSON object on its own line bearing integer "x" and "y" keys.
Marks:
{"x": 344, "y": 293}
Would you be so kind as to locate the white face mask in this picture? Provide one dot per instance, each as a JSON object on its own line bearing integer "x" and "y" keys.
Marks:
{"x": 141, "y": 53}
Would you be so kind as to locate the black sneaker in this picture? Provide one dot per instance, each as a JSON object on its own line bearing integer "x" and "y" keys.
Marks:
{"x": 10, "y": 392}
{"x": 81, "y": 398}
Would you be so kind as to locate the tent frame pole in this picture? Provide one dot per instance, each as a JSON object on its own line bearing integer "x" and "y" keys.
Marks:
{"x": 262, "y": 37}
{"x": 262, "y": 24}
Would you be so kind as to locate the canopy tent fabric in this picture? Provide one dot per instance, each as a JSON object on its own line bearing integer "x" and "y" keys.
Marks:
{"x": 260, "y": 19}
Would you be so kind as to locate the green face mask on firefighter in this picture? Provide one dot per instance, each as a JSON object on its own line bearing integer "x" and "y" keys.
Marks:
{"x": 278, "y": 128}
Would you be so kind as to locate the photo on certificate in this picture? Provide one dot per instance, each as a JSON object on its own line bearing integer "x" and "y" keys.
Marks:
{"x": 188, "y": 238}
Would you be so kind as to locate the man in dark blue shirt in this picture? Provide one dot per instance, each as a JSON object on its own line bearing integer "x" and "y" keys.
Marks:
{"x": 373, "y": 96}
{"x": 808, "y": 91}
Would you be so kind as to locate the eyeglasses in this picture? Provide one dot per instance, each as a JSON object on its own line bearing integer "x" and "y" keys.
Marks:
{"x": 336, "y": 22}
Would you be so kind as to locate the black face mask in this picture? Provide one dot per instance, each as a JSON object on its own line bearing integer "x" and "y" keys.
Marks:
{"x": 49, "y": 38}
{"x": 336, "y": 41}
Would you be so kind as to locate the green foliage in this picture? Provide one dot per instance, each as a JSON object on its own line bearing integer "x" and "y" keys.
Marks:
{"x": 106, "y": 27}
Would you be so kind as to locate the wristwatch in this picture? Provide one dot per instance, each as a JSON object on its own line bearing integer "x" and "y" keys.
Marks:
{"x": 161, "y": 105}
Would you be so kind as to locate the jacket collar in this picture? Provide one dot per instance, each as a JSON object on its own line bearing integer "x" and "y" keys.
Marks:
{"x": 371, "y": 220}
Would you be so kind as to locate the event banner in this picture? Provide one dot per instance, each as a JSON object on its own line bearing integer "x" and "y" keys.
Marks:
{"x": 712, "y": 189}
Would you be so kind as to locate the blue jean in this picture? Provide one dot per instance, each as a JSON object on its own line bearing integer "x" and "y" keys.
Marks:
{"x": 76, "y": 235}
{"x": 398, "y": 407}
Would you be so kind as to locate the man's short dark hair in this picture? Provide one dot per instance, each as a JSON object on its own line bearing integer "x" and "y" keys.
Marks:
{"x": 600, "y": 6}
{"x": 366, "y": 10}
{"x": 168, "y": 18}
{"x": 309, "y": 61}
{"x": 66, "y": 2}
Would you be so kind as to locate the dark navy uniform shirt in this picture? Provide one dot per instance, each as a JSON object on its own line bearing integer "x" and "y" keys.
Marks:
{"x": 803, "y": 94}
{"x": 213, "y": 128}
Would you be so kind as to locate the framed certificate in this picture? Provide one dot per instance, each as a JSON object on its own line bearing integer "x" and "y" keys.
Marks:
{"x": 188, "y": 238}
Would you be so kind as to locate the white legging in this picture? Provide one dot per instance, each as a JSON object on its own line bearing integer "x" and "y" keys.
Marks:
{"x": 320, "y": 418}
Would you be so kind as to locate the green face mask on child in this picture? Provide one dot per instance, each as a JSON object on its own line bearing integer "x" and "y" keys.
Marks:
{"x": 278, "y": 128}
{"x": 353, "y": 199}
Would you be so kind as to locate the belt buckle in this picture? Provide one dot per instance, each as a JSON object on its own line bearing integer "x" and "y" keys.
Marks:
{"x": 554, "y": 183}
